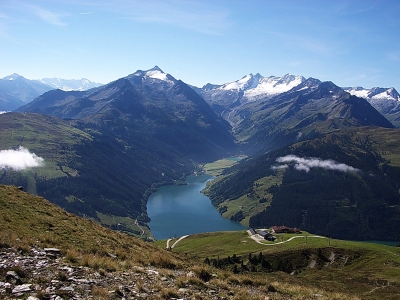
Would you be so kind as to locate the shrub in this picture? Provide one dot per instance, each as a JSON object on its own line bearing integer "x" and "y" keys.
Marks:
{"x": 202, "y": 273}
{"x": 168, "y": 293}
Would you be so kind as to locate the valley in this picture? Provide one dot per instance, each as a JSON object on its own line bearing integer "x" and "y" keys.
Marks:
{"x": 107, "y": 149}
{"x": 308, "y": 155}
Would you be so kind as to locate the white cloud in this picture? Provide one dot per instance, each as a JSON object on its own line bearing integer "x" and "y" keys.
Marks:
{"x": 19, "y": 159}
{"x": 306, "y": 164}
{"x": 280, "y": 167}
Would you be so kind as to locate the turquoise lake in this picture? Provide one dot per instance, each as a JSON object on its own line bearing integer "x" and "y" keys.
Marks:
{"x": 178, "y": 210}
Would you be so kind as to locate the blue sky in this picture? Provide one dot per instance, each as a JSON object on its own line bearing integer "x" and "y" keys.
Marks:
{"x": 352, "y": 43}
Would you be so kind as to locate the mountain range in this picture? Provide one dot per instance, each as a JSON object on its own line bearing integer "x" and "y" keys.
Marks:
{"x": 267, "y": 113}
{"x": 107, "y": 148}
{"x": 227, "y": 98}
{"x": 15, "y": 90}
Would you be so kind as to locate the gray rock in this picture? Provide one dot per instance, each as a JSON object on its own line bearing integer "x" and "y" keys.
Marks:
{"x": 67, "y": 289}
{"x": 190, "y": 274}
{"x": 52, "y": 251}
{"x": 23, "y": 288}
{"x": 12, "y": 277}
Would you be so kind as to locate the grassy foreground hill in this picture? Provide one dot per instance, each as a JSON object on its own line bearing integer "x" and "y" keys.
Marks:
{"x": 94, "y": 262}
{"x": 365, "y": 270}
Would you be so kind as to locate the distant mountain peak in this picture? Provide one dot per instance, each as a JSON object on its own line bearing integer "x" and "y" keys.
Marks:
{"x": 70, "y": 84}
{"x": 12, "y": 77}
{"x": 156, "y": 68}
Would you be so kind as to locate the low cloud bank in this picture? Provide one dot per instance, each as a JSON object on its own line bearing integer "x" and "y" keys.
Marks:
{"x": 306, "y": 164}
{"x": 19, "y": 159}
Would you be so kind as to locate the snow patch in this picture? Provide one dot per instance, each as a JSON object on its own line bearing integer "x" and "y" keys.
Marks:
{"x": 157, "y": 75}
{"x": 255, "y": 86}
{"x": 237, "y": 85}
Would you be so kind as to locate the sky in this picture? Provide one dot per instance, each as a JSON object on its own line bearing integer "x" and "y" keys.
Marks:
{"x": 351, "y": 43}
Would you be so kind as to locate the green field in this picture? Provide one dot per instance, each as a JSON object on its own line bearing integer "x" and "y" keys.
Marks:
{"x": 367, "y": 270}
{"x": 217, "y": 167}
{"x": 252, "y": 203}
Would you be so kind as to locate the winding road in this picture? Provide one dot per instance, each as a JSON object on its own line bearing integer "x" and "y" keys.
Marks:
{"x": 258, "y": 240}
{"x": 176, "y": 242}
{"x": 255, "y": 237}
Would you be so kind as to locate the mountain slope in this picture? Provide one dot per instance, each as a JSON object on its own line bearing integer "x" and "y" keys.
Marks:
{"x": 346, "y": 179}
{"x": 148, "y": 105}
{"x": 91, "y": 174}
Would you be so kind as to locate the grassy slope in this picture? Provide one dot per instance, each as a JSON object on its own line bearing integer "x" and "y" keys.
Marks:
{"x": 28, "y": 220}
{"x": 216, "y": 168}
{"x": 368, "y": 270}
{"x": 58, "y": 143}
{"x": 47, "y": 137}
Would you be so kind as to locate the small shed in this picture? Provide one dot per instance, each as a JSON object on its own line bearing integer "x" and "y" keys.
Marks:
{"x": 266, "y": 235}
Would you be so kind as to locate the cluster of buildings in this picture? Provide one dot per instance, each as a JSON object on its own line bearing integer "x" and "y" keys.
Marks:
{"x": 274, "y": 229}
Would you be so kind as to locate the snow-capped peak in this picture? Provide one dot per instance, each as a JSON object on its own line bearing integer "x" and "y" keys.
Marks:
{"x": 256, "y": 86}
{"x": 154, "y": 73}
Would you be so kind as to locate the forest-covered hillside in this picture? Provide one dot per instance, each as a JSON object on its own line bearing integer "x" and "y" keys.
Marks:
{"x": 344, "y": 184}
